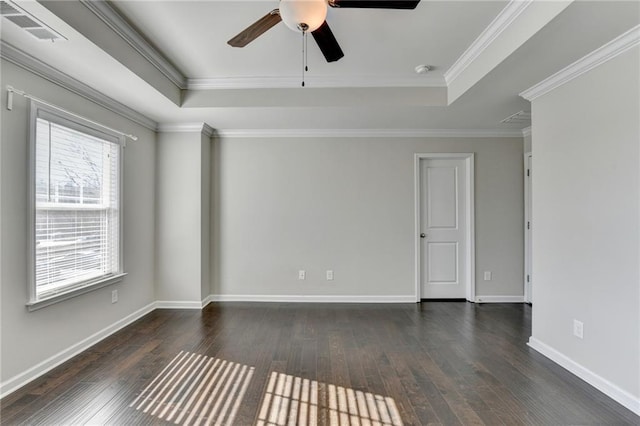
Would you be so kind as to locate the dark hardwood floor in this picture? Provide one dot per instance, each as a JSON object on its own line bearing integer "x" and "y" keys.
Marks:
{"x": 252, "y": 363}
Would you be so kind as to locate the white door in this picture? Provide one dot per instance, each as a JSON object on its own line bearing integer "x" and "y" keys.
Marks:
{"x": 528, "y": 277}
{"x": 443, "y": 229}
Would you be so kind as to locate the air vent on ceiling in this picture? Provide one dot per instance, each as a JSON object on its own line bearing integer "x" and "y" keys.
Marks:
{"x": 22, "y": 21}
{"x": 7, "y": 9}
{"x": 519, "y": 117}
{"x": 28, "y": 22}
{"x": 43, "y": 34}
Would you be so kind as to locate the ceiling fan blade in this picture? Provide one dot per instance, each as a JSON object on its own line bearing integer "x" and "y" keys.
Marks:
{"x": 375, "y": 4}
{"x": 327, "y": 43}
{"x": 256, "y": 29}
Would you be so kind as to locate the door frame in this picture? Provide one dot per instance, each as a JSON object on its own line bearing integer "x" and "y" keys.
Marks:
{"x": 528, "y": 172}
{"x": 470, "y": 218}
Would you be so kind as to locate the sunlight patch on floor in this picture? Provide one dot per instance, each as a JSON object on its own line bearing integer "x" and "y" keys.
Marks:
{"x": 195, "y": 389}
{"x": 291, "y": 400}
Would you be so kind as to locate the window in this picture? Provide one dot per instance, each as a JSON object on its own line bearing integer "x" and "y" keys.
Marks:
{"x": 76, "y": 228}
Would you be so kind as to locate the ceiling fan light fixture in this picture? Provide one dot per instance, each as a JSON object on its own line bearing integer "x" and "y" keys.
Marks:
{"x": 303, "y": 15}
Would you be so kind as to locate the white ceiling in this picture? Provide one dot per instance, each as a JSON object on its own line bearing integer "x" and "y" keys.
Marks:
{"x": 381, "y": 47}
{"x": 381, "y": 43}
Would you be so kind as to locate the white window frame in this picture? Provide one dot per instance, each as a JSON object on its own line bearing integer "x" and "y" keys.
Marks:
{"x": 40, "y": 110}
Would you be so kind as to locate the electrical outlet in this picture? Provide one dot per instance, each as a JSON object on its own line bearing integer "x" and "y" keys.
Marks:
{"x": 302, "y": 274}
{"x": 329, "y": 275}
{"x": 487, "y": 275}
{"x": 114, "y": 296}
{"x": 578, "y": 329}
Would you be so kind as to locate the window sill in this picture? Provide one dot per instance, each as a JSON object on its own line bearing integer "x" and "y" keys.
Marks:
{"x": 34, "y": 305}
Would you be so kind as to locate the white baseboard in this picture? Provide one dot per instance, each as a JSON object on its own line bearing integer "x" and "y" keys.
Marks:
{"x": 207, "y": 300}
{"x": 38, "y": 370}
{"x": 310, "y": 298}
{"x": 499, "y": 299}
{"x": 179, "y": 304}
{"x": 614, "y": 392}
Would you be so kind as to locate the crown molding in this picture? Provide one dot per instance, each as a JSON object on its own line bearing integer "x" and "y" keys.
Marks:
{"x": 526, "y": 131}
{"x": 603, "y": 54}
{"x": 117, "y": 23}
{"x": 207, "y": 130}
{"x": 36, "y": 66}
{"x": 370, "y": 133}
{"x": 318, "y": 82}
{"x": 500, "y": 23}
{"x": 203, "y": 128}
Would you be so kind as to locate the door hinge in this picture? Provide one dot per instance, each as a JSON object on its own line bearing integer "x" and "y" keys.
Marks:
{"x": 528, "y": 172}
{"x": 528, "y": 225}
{"x": 527, "y": 278}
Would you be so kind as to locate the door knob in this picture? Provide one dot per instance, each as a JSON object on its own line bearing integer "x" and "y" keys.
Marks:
{"x": 423, "y": 235}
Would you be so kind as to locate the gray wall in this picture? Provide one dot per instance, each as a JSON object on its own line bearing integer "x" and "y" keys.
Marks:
{"x": 275, "y": 206}
{"x": 205, "y": 216}
{"x": 183, "y": 220}
{"x": 586, "y": 220}
{"x": 527, "y": 143}
{"x": 347, "y": 204}
{"x": 29, "y": 338}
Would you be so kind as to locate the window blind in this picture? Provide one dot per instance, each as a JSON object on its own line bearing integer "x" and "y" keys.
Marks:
{"x": 76, "y": 208}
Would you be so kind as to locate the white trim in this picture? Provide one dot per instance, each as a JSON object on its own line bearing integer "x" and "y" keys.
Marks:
{"x": 471, "y": 226}
{"x": 36, "y": 66}
{"x": 499, "y": 299}
{"x": 19, "y": 380}
{"x": 417, "y": 261}
{"x": 203, "y": 128}
{"x": 528, "y": 296}
{"x": 34, "y": 305}
{"x": 500, "y": 23}
{"x": 57, "y": 115}
{"x": 179, "y": 304}
{"x": 470, "y": 200}
{"x": 526, "y": 132}
{"x": 273, "y": 82}
{"x": 370, "y": 133}
{"x": 310, "y": 298}
{"x": 621, "y": 396}
{"x": 605, "y": 53}
{"x": 32, "y": 110}
{"x": 120, "y": 26}
{"x": 207, "y": 130}
{"x": 207, "y": 300}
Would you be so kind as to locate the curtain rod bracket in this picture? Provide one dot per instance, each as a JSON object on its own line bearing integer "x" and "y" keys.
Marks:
{"x": 10, "y": 91}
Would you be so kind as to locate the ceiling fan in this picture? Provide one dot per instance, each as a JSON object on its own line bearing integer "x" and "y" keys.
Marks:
{"x": 309, "y": 16}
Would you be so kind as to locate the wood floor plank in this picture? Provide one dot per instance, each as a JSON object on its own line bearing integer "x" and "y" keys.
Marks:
{"x": 419, "y": 401}
{"x": 431, "y": 363}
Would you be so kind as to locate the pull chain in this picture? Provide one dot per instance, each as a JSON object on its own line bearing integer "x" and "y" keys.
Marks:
{"x": 303, "y": 28}
{"x": 306, "y": 52}
{"x": 304, "y": 65}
